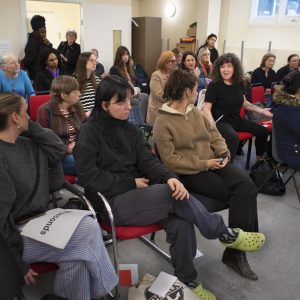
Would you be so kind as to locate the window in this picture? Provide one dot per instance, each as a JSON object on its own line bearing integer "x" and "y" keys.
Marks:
{"x": 274, "y": 12}
{"x": 292, "y": 8}
{"x": 267, "y": 8}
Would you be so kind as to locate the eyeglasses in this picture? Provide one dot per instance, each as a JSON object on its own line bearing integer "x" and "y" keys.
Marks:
{"x": 173, "y": 61}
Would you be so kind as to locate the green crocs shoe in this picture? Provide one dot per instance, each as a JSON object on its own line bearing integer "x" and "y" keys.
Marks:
{"x": 247, "y": 241}
{"x": 204, "y": 294}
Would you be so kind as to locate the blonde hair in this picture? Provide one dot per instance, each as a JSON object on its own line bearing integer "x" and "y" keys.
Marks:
{"x": 9, "y": 103}
{"x": 164, "y": 58}
{"x": 202, "y": 51}
{"x": 62, "y": 84}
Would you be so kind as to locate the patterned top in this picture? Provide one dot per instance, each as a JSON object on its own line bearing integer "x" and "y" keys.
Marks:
{"x": 87, "y": 98}
{"x": 72, "y": 129}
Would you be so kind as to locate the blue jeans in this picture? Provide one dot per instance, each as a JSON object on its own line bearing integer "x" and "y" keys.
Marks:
{"x": 68, "y": 165}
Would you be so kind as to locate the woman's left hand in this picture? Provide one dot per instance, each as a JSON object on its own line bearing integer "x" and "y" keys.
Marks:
{"x": 179, "y": 192}
{"x": 266, "y": 112}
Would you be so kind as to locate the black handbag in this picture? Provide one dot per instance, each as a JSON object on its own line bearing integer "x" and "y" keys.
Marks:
{"x": 260, "y": 171}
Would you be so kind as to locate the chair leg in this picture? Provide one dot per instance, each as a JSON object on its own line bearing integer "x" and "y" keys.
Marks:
{"x": 249, "y": 153}
{"x": 152, "y": 236}
{"x": 166, "y": 256}
{"x": 275, "y": 168}
{"x": 295, "y": 183}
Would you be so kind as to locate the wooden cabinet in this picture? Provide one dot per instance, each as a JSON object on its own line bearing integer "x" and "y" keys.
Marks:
{"x": 186, "y": 46}
{"x": 146, "y": 42}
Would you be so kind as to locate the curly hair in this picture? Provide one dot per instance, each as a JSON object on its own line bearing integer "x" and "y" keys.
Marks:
{"x": 226, "y": 58}
{"x": 184, "y": 56}
{"x": 179, "y": 81}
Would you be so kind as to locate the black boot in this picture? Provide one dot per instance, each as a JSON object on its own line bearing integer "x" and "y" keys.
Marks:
{"x": 237, "y": 260}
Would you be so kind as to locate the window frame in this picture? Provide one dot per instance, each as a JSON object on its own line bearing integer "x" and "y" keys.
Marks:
{"x": 278, "y": 20}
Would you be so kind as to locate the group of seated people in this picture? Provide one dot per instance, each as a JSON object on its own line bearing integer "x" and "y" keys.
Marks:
{"x": 85, "y": 126}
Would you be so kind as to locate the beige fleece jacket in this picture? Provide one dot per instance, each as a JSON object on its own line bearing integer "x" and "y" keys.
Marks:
{"x": 186, "y": 142}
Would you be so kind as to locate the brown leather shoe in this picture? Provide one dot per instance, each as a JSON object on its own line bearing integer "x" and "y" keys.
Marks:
{"x": 237, "y": 260}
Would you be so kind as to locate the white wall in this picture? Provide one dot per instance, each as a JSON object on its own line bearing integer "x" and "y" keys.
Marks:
{"x": 11, "y": 25}
{"x": 173, "y": 28}
{"x": 98, "y": 25}
{"x": 235, "y": 27}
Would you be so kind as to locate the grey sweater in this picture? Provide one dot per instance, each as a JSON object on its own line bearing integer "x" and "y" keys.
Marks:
{"x": 22, "y": 164}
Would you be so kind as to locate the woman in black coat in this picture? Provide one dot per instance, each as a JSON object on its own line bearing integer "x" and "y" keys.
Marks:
{"x": 286, "y": 120}
{"x": 49, "y": 68}
{"x": 69, "y": 52}
{"x": 37, "y": 41}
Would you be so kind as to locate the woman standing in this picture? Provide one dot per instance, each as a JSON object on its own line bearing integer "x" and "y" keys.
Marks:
{"x": 224, "y": 98}
{"x": 166, "y": 64}
{"x": 265, "y": 74}
{"x": 286, "y": 120}
{"x": 50, "y": 68}
{"x": 64, "y": 115}
{"x": 69, "y": 52}
{"x": 12, "y": 79}
{"x": 205, "y": 68}
{"x": 85, "y": 270}
{"x": 192, "y": 147}
{"x": 88, "y": 81}
{"x": 37, "y": 41}
{"x": 210, "y": 44}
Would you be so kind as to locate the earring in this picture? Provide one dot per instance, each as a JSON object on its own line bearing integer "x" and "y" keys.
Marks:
{"x": 18, "y": 126}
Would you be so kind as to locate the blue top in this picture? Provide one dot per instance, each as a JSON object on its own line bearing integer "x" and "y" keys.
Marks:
{"x": 20, "y": 85}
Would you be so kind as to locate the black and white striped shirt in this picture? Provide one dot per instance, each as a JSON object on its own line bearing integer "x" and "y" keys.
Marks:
{"x": 87, "y": 98}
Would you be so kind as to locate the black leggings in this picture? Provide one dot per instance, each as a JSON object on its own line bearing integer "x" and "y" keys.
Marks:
{"x": 230, "y": 135}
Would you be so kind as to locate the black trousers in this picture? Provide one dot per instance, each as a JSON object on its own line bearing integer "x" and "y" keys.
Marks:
{"x": 230, "y": 135}
{"x": 232, "y": 185}
{"x": 154, "y": 204}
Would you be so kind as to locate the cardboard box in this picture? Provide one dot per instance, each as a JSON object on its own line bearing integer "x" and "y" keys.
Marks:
{"x": 192, "y": 31}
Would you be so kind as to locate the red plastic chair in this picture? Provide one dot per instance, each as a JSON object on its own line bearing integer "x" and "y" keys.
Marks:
{"x": 34, "y": 103}
{"x": 257, "y": 93}
{"x": 126, "y": 233}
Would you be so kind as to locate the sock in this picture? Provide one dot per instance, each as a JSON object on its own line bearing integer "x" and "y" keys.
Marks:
{"x": 229, "y": 236}
{"x": 191, "y": 284}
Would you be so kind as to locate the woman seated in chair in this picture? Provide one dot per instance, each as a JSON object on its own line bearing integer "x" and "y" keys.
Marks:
{"x": 192, "y": 147}
{"x": 49, "y": 68}
{"x": 166, "y": 64}
{"x": 85, "y": 270}
{"x": 286, "y": 120}
{"x": 113, "y": 158}
{"x": 88, "y": 81}
{"x": 224, "y": 99}
{"x": 64, "y": 115}
{"x": 14, "y": 80}
{"x": 124, "y": 68}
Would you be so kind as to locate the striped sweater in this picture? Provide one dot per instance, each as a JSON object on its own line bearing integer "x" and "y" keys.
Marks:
{"x": 87, "y": 98}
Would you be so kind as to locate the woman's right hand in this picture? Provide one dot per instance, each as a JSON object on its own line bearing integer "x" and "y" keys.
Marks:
{"x": 29, "y": 277}
{"x": 215, "y": 163}
{"x": 70, "y": 147}
{"x": 141, "y": 182}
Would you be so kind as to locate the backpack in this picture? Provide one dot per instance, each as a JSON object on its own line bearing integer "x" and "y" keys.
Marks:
{"x": 260, "y": 171}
